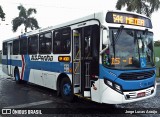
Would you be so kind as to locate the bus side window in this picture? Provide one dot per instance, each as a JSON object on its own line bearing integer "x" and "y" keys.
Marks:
{"x": 23, "y": 46}
{"x": 62, "y": 41}
{"x": 5, "y": 48}
{"x": 33, "y": 44}
{"x": 45, "y": 43}
{"x": 66, "y": 41}
{"x": 16, "y": 47}
{"x": 56, "y": 42}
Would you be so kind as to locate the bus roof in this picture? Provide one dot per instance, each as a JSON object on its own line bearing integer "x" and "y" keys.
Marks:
{"x": 91, "y": 16}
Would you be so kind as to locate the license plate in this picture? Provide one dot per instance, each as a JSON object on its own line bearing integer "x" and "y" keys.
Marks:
{"x": 142, "y": 94}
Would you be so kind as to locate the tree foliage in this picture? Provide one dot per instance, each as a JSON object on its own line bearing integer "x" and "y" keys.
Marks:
{"x": 157, "y": 43}
{"x": 146, "y": 7}
{"x": 25, "y": 18}
{"x": 2, "y": 14}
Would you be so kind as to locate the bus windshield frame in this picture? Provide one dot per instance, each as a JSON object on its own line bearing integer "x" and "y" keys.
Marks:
{"x": 132, "y": 49}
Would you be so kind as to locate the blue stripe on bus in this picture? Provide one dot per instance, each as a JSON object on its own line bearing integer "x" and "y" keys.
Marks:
{"x": 12, "y": 62}
{"x": 112, "y": 75}
{"x": 27, "y": 68}
{"x": 37, "y": 65}
{"x": 104, "y": 72}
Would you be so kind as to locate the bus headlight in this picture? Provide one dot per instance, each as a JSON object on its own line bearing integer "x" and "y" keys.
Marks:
{"x": 117, "y": 87}
{"x": 113, "y": 85}
{"x": 110, "y": 83}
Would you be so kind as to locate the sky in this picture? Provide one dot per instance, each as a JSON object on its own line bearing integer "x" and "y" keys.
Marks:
{"x": 53, "y": 12}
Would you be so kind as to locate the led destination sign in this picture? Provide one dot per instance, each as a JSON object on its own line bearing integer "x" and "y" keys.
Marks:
{"x": 130, "y": 19}
{"x": 117, "y": 61}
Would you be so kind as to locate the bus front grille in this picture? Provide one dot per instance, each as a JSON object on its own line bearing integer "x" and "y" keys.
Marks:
{"x": 137, "y": 75}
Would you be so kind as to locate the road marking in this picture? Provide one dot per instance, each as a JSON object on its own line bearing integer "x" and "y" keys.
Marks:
{"x": 30, "y": 104}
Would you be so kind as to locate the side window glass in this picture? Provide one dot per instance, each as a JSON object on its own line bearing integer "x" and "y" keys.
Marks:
{"x": 33, "y": 44}
{"x": 66, "y": 41}
{"x": 57, "y": 42}
{"x": 45, "y": 43}
{"x": 87, "y": 41}
{"x": 16, "y": 47}
{"x": 62, "y": 41}
{"x": 23, "y": 46}
{"x": 4, "y": 48}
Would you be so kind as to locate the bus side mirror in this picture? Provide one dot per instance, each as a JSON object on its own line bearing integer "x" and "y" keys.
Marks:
{"x": 106, "y": 41}
{"x": 105, "y": 37}
{"x": 156, "y": 59}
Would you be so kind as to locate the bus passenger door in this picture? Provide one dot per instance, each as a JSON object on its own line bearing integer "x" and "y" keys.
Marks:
{"x": 77, "y": 60}
{"x": 9, "y": 61}
{"x": 85, "y": 58}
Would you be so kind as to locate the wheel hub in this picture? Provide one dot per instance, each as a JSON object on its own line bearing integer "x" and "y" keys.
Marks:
{"x": 66, "y": 89}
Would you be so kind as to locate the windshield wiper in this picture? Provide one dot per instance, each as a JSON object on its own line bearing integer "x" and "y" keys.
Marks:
{"x": 114, "y": 40}
{"x": 118, "y": 34}
{"x": 146, "y": 32}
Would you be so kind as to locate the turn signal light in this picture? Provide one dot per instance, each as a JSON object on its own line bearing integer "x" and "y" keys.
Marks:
{"x": 64, "y": 59}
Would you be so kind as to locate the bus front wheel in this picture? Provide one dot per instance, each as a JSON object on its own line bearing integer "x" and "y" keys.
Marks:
{"x": 66, "y": 90}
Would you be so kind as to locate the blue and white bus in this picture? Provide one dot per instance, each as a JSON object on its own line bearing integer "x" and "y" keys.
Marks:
{"x": 106, "y": 57}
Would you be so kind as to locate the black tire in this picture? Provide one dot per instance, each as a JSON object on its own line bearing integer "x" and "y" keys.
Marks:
{"x": 66, "y": 90}
{"x": 17, "y": 77}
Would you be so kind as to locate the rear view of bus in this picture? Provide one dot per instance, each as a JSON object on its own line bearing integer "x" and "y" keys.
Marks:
{"x": 127, "y": 71}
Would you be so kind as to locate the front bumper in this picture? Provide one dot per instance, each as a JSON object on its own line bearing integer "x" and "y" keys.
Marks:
{"x": 111, "y": 96}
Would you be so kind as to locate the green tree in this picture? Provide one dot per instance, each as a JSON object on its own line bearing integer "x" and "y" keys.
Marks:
{"x": 157, "y": 43}
{"x": 2, "y": 14}
{"x": 25, "y": 18}
{"x": 146, "y": 7}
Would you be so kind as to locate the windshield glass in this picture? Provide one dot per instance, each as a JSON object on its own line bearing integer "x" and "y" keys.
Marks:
{"x": 129, "y": 49}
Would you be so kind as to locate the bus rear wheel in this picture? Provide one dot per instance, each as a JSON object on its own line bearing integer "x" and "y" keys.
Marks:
{"x": 66, "y": 90}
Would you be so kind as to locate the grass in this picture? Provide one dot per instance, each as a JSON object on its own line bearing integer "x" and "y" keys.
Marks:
{"x": 157, "y": 54}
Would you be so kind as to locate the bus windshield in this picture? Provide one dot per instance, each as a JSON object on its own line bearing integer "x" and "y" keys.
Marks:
{"x": 129, "y": 49}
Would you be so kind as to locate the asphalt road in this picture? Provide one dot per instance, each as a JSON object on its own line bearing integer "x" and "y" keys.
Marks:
{"x": 28, "y": 97}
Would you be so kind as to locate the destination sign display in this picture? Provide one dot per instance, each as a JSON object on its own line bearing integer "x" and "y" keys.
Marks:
{"x": 129, "y": 19}
{"x": 117, "y": 61}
